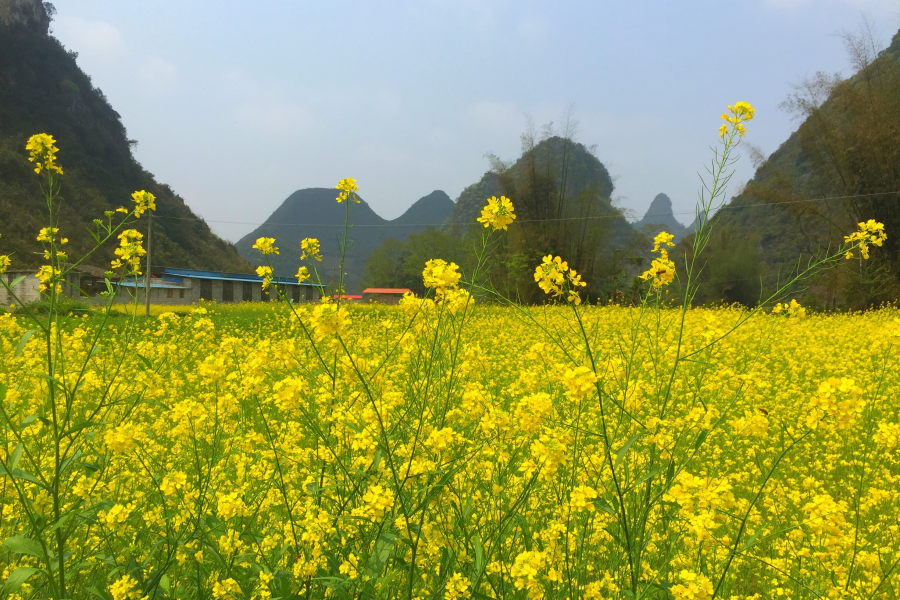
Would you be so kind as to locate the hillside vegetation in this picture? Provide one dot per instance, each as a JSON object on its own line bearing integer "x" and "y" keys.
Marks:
{"x": 841, "y": 166}
{"x": 562, "y": 196}
{"x": 314, "y": 213}
{"x": 42, "y": 90}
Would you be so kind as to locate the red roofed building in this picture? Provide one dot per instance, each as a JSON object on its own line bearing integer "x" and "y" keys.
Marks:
{"x": 350, "y": 297}
{"x": 384, "y": 295}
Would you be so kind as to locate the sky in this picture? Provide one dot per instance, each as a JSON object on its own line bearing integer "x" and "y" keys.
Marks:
{"x": 236, "y": 105}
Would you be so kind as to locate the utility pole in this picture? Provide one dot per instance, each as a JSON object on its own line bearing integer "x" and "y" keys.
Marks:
{"x": 147, "y": 276}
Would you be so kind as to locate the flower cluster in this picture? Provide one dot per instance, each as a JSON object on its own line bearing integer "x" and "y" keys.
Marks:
{"x": 662, "y": 270}
{"x": 377, "y": 501}
{"x": 327, "y": 319}
{"x": 555, "y": 277}
{"x": 440, "y": 275}
{"x": 143, "y": 201}
{"x": 48, "y": 235}
{"x": 348, "y": 190}
{"x": 48, "y": 277}
{"x": 736, "y": 116}
{"x": 42, "y": 152}
{"x": 498, "y": 213}
{"x": 792, "y": 309}
{"x": 868, "y": 233}
{"x": 692, "y": 586}
{"x": 265, "y": 246}
{"x": 267, "y": 274}
{"x": 839, "y": 399}
{"x": 125, "y": 588}
{"x": 457, "y": 587}
{"x": 130, "y": 251}
{"x": 310, "y": 249}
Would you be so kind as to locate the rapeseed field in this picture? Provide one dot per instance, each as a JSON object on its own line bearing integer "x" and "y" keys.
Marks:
{"x": 456, "y": 446}
{"x": 227, "y": 460}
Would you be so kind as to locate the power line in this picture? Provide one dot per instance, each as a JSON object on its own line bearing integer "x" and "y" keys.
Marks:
{"x": 613, "y": 216}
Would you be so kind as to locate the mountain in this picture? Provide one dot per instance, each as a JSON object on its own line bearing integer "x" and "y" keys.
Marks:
{"x": 313, "y": 212}
{"x": 659, "y": 217}
{"x": 561, "y": 193}
{"x": 841, "y": 166}
{"x": 556, "y": 180}
{"x": 472, "y": 199}
{"x": 42, "y": 90}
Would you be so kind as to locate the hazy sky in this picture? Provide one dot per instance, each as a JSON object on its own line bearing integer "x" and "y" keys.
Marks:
{"x": 238, "y": 104}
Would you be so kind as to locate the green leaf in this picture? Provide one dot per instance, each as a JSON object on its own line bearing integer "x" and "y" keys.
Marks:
{"x": 24, "y": 340}
{"x": 17, "y": 578}
{"x": 69, "y": 461}
{"x": 700, "y": 439}
{"x": 62, "y": 521}
{"x": 20, "y": 474}
{"x": 77, "y": 428}
{"x": 27, "y": 421}
{"x": 146, "y": 362}
{"x": 751, "y": 541}
{"x": 19, "y": 544}
{"x": 479, "y": 553}
{"x": 17, "y": 281}
{"x": 2, "y": 392}
{"x": 647, "y": 476}
{"x": 620, "y": 455}
{"x": 16, "y": 455}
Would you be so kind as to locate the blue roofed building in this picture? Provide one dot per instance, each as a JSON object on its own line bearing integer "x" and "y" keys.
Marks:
{"x": 188, "y": 286}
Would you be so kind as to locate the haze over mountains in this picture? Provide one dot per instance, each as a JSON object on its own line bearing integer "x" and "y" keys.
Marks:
{"x": 44, "y": 90}
{"x": 659, "y": 217}
{"x": 313, "y": 212}
{"x": 841, "y": 165}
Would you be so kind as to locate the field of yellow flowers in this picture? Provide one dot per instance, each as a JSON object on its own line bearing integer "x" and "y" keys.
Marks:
{"x": 439, "y": 455}
{"x": 455, "y": 446}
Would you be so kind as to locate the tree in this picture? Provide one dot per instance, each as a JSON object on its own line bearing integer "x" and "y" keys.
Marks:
{"x": 849, "y": 157}
{"x": 561, "y": 192}
{"x": 400, "y": 264}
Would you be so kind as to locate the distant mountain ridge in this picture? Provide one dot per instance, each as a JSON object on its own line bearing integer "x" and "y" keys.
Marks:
{"x": 659, "y": 217}
{"x": 313, "y": 212}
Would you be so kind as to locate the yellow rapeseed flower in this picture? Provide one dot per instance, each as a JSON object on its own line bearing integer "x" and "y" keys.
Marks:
{"x": 555, "y": 278}
{"x": 869, "y": 232}
{"x": 143, "y": 201}
{"x": 348, "y": 189}
{"x": 310, "y": 249}
{"x": 42, "y": 152}
{"x": 48, "y": 277}
{"x": 130, "y": 251}
{"x": 440, "y": 275}
{"x": 265, "y": 246}
{"x": 663, "y": 239}
{"x": 736, "y": 116}
{"x": 267, "y": 274}
{"x": 497, "y": 213}
{"x": 662, "y": 270}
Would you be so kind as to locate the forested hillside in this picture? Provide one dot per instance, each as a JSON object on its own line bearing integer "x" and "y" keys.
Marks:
{"x": 561, "y": 193}
{"x": 42, "y": 90}
{"x": 841, "y": 166}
